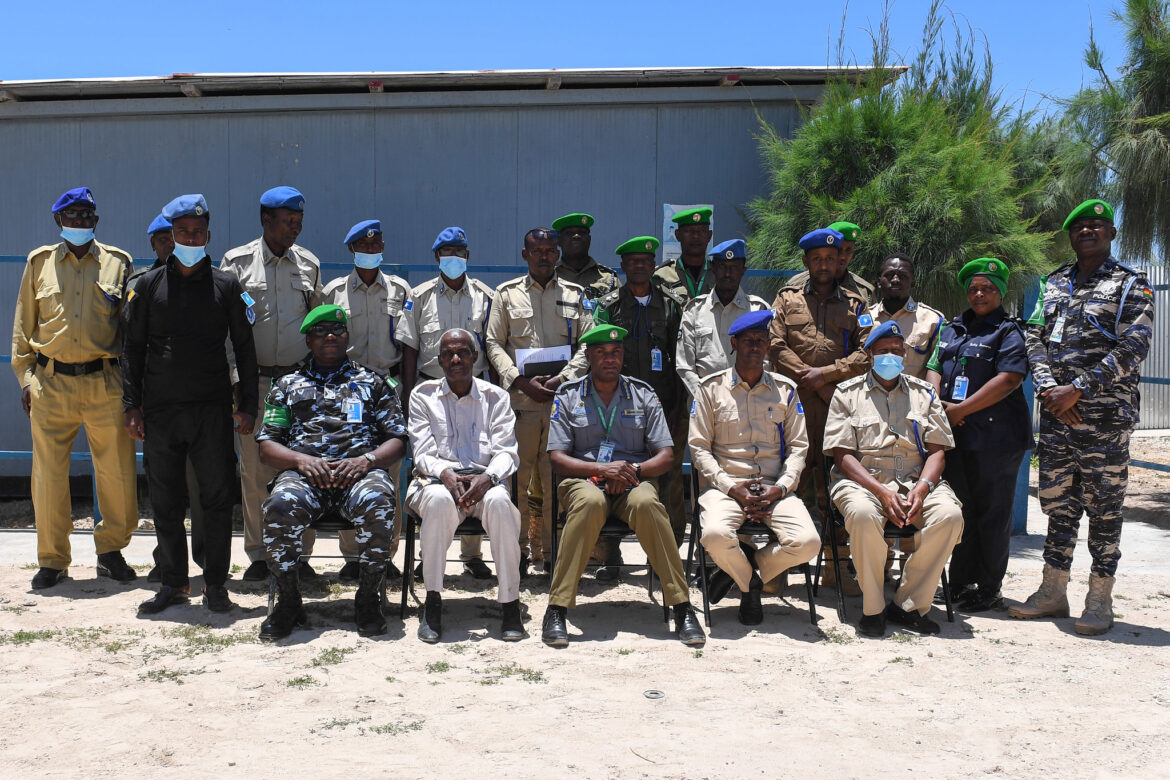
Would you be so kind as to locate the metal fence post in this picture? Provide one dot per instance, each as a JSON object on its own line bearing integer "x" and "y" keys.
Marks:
{"x": 1020, "y": 505}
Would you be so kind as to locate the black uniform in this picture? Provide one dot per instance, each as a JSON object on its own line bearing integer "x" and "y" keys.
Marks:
{"x": 989, "y": 445}
{"x": 175, "y": 368}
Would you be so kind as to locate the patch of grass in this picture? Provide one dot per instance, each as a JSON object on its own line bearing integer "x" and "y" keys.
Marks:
{"x": 332, "y": 655}
{"x": 458, "y": 648}
{"x": 31, "y": 566}
{"x": 698, "y": 654}
{"x": 302, "y": 682}
{"x": 236, "y": 568}
{"x": 904, "y": 638}
{"x": 397, "y": 727}
{"x": 169, "y": 675}
{"x": 27, "y": 637}
{"x": 391, "y": 678}
{"x": 1034, "y": 461}
{"x": 837, "y": 636}
{"x": 493, "y": 674}
{"x": 194, "y": 640}
{"x": 624, "y": 651}
{"x": 901, "y": 659}
{"x": 338, "y": 723}
{"x": 15, "y": 609}
{"x": 438, "y": 667}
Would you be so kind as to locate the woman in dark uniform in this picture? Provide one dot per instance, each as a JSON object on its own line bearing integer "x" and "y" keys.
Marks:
{"x": 977, "y": 368}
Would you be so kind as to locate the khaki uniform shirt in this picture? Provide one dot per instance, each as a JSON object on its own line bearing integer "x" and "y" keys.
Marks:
{"x": 851, "y": 282}
{"x": 739, "y": 432}
{"x": 810, "y": 333}
{"x": 376, "y": 313}
{"x": 284, "y": 289}
{"x": 449, "y": 432}
{"x": 594, "y": 278}
{"x": 673, "y": 276}
{"x": 703, "y": 344}
{"x": 921, "y": 326}
{"x": 69, "y": 309}
{"x": 438, "y": 308}
{"x": 887, "y": 430}
{"x": 526, "y": 316}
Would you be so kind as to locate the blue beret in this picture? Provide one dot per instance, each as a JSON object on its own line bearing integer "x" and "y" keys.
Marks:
{"x": 729, "y": 250}
{"x": 364, "y": 229}
{"x": 159, "y": 224}
{"x": 885, "y": 330}
{"x": 186, "y": 206}
{"x": 819, "y": 238}
{"x": 80, "y": 195}
{"x": 283, "y": 198}
{"x": 452, "y": 236}
{"x": 753, "y": 320}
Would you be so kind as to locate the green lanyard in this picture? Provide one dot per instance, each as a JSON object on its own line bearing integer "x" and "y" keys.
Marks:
{"x": 686, "y": 275}
{"x": 607, "y": 425}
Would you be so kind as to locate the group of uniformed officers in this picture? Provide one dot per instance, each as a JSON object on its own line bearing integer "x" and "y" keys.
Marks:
{"x": 834, "y": 399}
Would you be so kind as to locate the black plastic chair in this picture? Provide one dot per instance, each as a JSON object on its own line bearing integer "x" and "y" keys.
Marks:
{"x": 757, "y": 531}
{"x": 614, "y": 528}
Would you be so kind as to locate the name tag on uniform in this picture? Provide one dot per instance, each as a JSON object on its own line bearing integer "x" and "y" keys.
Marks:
{"x": 960, "y": 391}
{"x": 605, "y": 452}
{"x": 656, "y": 359}
{"x": 1057, "y": 331}
{"x": 353, "y": 410}
{"x": 633, "y": 413}
{"x": 865, "y": 320}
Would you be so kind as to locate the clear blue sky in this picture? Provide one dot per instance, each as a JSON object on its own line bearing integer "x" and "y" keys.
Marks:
{"x": 1036, "y": 44}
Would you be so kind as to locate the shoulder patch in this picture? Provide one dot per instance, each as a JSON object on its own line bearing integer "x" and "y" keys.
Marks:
{"x": 608, "y": 299}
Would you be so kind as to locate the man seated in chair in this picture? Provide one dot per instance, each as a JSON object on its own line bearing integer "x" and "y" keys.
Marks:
{"x": 748, "y": 442}
{"x": 608, "y": 437}
{"x": 332, "y": 430}
{"x": 463, "y": 431}
{"x": 888, "y": 433}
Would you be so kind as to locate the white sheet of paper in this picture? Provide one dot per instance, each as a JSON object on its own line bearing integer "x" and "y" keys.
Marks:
{"x": 542, "y": 355}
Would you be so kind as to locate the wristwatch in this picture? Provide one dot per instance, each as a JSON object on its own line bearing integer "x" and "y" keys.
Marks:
{"x": 638, "y": 470}
{"x": 495, "y": 480}
{"x": 928, "y": 482}
{"x": 369, "y": 456}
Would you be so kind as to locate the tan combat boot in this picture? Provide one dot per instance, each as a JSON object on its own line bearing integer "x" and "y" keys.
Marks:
{"x": 1098, "y": 615}
{"x": 1049, "y": 600}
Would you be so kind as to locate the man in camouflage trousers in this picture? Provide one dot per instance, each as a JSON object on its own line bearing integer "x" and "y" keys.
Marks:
{"x": 332, "y": 430}
{"x": 1086, "y": 340}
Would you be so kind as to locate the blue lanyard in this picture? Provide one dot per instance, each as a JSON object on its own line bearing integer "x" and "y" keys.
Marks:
{"x": 645, "y": 329}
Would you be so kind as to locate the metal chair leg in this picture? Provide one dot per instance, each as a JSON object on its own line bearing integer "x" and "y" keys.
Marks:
{"x": 946, "y": 586}
{"x": 704, "y": 586}
{"x": 407, "y": 566}
{"x": 839, "y": 576}
{"x": 808, "y": 587}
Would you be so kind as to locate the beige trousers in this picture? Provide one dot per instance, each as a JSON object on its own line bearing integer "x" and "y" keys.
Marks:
{"x": 532, "y": 441}
{"x": 794, "y": 537}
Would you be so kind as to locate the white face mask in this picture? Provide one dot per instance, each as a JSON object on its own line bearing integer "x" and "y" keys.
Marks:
{"x": 363, "y": 260}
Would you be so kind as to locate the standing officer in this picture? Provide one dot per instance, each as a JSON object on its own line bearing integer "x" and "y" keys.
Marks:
{"x": 920, "y": 324}
{"x": 283, "y": 283}
{"x": 846, "y": 278}
{"x": 689, "y": 275}
{"x": 66, "y": 338}
{"x": 332, "y": 430}
{"x": 528, "y": 312}
{"x": 609, "y": 439}
{"x": 463, "y": 431}
{"x": 178, "y": 402}
{"x": 1086, "y": 340}
{"x": 451, "y": 300}
{"x": 650, "y": 315}
{"x": 576, "y": 265}
{"x": 888, "y": 435}
{"x": 376, "y": 304}
{"x": 748, "y": 442}
{"x": 817, "y": 341}
{"x": 162, "y": 243}
{"x": 703, "y": 344}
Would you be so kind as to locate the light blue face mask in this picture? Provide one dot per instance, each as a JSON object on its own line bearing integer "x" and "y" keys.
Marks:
{"x": 887, "y": 366}
{"x": 189, "y": 255}
{"x": 452, "y": 266}
{"x": 363, "y": 260}
{"x": 77, "y": 236}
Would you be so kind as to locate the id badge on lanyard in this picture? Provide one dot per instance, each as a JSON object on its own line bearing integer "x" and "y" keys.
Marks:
{"x": 353, "y": 409}
{"x": 960, "y": 391}
{"x": 656, "y": 359}
{"x": 605, "y": 451}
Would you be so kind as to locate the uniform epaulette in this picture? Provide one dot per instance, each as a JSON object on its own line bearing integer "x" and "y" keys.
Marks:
{"x": 849, "y": 383}
{"x": 40, "y": 250}
{"x": 116, "y": 252}
{"x": 481, "y": 285}
{"x": 241, "y": 251}
{"x": 922, "y": 384}
{"x": 429, "y": 283}
{"x": 335, "y": 284}
{"x": 716, "y": 377}
{"x": 1125, "y": 267}
{"x": 519, "y": 280}
{"x": 633, "y": 380}
{"x": 400, "y": 282}
{"x": 926, "y": 306}
{"x": 609, "y": 299}
{"x": 780, "y": 379}
{"x": 570, "y": 285}
{"x": 759, "y": 300}
{"x": 675, "y": 294}
{"x": 693, "y": 302}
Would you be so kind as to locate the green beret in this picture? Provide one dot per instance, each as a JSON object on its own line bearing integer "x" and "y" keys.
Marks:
{"x": 1090, "y": 209}
{"x": 569, "y": 220}
{"x": 995, "y": 270}
{"x": 699, "y": 216}
{"x": 603, "y": 334}
{"x": 324, "y": 313}
{"x": 848, "y": 229}
{"x": 638, "y": 245}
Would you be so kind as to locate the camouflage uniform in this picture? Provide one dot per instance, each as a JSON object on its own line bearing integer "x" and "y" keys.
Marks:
{"x": 594, "y": 278}
{"x": 1093, "y": 334}
{"x": 673, "y": 276}
{"x": 305, "y": 412}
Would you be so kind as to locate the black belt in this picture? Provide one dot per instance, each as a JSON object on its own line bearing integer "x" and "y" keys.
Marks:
{"x": 276, "y": 372}
{"x": 75, "y": 369}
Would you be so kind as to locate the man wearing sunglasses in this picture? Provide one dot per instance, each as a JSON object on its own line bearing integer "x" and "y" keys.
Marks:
{"x": 66, "y": 338}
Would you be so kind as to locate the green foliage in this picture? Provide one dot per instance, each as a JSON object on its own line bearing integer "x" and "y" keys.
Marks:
{"x": 1119, "y": 132}
{"x": 927, "y": 163}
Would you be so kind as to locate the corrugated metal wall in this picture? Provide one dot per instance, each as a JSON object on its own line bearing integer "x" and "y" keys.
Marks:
{"x": 496, "y": 163}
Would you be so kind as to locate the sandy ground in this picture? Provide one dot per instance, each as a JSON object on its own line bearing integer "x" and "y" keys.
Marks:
{"x": 90, "y": 688}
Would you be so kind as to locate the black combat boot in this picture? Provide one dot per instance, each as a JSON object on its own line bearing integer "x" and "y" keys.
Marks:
{"x": 288, "y": 612}
{"x": 430, "y": 623}
{"x": 367, "y": 602}
{"x": 513, "y": 623}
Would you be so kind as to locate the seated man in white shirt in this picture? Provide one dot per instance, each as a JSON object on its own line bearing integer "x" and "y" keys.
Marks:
{"x": 463, "y": 432}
